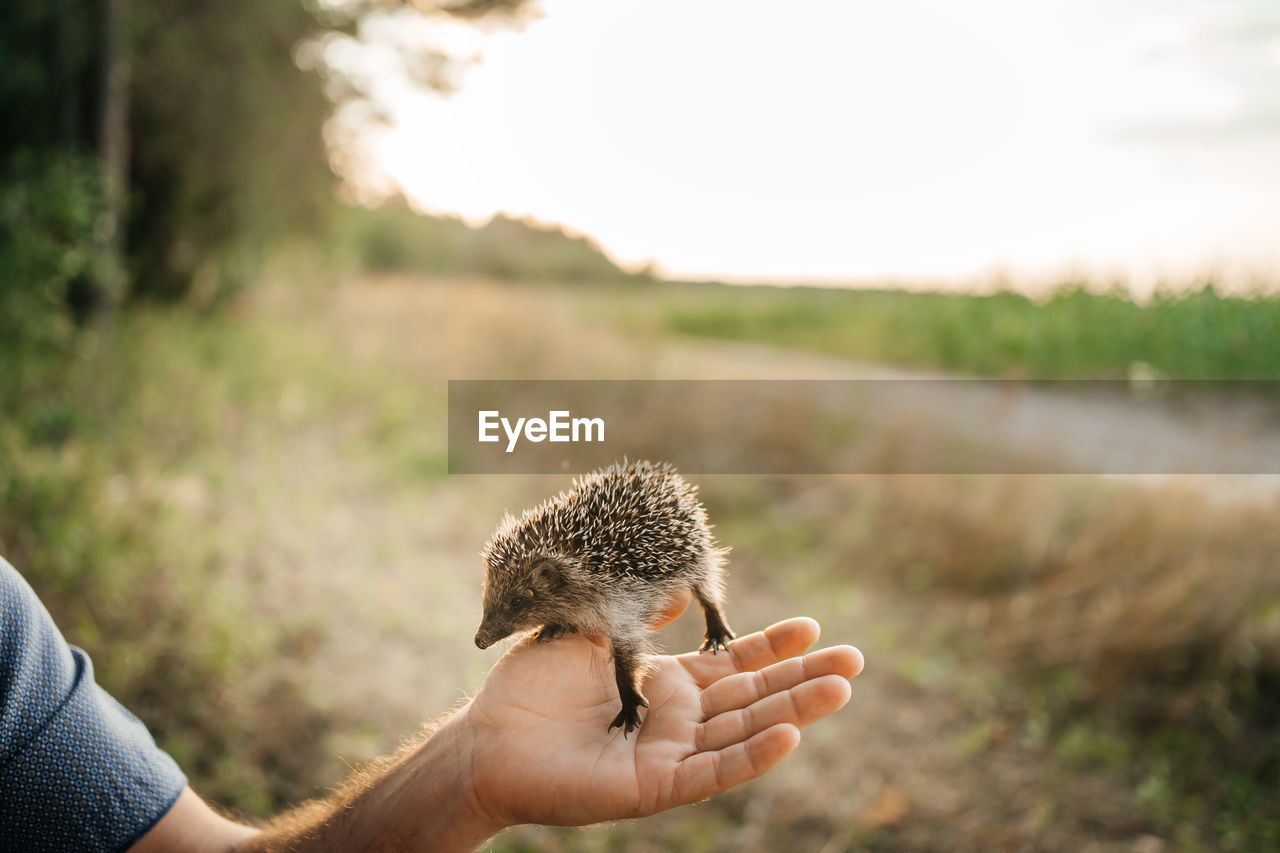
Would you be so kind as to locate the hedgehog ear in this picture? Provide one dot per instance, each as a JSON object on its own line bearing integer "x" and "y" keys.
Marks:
{"x": 549, "y": 572}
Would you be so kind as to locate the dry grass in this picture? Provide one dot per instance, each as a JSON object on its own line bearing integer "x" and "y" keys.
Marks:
{"x": 1135, "y": 606}
{"x": 302, "y": 480}
{"x": 1127, "y": 585}
{"x": 1166, "y": 587}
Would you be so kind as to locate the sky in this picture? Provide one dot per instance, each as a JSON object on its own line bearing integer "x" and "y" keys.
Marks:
{"x": 842, "y": 141}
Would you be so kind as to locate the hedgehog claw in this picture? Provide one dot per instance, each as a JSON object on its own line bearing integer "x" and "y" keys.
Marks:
{"x": 551, "y": 632}
{"x": 716, "y": 643}
{"x": 629, "y": 717}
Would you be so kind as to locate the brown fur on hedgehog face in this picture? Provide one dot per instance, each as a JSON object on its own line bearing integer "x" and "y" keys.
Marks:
{"x": 525, "y": 594}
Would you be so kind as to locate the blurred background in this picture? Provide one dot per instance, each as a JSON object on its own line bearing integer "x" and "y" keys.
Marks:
{"x": 244, "y": 244}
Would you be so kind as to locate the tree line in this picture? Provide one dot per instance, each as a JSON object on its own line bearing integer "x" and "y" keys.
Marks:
{"x": 152, "y": 148}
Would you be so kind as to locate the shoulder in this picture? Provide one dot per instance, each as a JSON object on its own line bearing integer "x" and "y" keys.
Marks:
{"x": 37, "y": 668}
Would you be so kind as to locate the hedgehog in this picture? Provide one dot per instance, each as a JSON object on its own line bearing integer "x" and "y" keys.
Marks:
{"x": 606, "y": 558}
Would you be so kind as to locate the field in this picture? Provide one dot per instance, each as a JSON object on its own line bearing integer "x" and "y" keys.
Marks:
{"x": 1071, "y": 333}
{"x": 245, "y": 518}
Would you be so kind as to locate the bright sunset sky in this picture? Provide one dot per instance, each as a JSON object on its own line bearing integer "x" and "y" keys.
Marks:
{"x": 938, "y": 143}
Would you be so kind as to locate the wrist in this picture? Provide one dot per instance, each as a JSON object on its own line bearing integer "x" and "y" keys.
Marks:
{"x": 438, "y": 777}
{"x": 422, "y": 800}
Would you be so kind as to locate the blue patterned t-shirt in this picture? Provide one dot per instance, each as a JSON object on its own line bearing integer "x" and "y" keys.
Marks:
{"x": 78, "y": 772}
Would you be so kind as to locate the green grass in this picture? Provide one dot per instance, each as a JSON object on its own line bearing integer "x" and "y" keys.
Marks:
{"x": 1074, "y": 333}
{"x": 97, "y": 451}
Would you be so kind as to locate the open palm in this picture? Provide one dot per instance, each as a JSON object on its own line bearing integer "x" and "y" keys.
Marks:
{"x": 543, "y": 752}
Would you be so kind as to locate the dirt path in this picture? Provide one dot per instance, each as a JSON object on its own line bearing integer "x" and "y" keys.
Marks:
{"x": 1226, "y": 445}
{"x": 928, "y": 756}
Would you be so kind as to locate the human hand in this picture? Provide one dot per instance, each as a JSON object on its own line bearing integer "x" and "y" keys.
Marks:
{"x": 541, "y": 751}
{"x": 534, "y": 746}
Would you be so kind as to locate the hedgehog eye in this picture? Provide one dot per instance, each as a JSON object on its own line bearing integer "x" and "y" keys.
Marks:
{"x": 519, "y": 601}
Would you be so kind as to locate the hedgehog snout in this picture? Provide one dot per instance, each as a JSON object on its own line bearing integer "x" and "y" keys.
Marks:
{"x": 490, "y": 633}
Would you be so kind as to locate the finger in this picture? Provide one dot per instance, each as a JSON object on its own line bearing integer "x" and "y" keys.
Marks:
{"x": 678, "y": 605}
{"x": 755, "y": 651}
{"x": 803, "y": 704}
{"x": 738, "y": 691}
{"x": 705, "y": 773}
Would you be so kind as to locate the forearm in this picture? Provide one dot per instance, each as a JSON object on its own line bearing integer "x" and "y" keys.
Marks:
{"x": 419, "y": 799}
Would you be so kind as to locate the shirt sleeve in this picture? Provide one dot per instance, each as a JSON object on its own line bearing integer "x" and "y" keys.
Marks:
{"x": 78, "y": 772}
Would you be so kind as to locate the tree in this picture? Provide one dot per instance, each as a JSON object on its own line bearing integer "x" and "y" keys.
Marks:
{"x": 205, "y": 132}
{"x": 113, "y": 161}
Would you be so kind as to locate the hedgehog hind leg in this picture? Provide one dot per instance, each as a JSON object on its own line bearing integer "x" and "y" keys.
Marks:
{"x": 627, "y": 654}
{"x": 718, "y": 631}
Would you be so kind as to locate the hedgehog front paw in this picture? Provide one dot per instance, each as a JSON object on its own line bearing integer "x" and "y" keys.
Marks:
{"x": 547, "y": 633}
{"x": 715, "y": 642}
{"x": 629, "y": 716}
